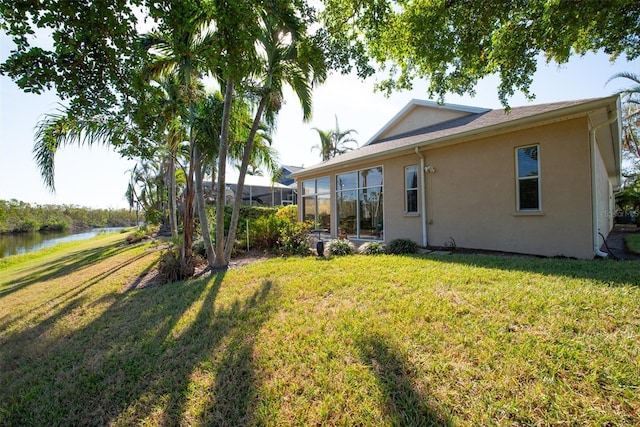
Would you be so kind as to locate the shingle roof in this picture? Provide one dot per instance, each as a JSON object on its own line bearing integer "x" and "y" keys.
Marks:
{"x": 293, "y": 169}
{"x": 473, "y": 124}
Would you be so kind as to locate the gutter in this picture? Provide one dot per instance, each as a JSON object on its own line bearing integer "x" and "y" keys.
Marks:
{"x": 423, "y": 199}
{"x": 575, "y": 110}
{"x": 594, "y": 199}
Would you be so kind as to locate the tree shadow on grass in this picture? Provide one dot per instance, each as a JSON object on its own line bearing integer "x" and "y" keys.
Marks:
{"x": 65, "y": 265}
{"x": 63, "y": 298}
{"x": 607, "y": 272}
{"x": 136, "y": 362}
{"x": 229, "y": 357}
{"x": 404, "y": 405}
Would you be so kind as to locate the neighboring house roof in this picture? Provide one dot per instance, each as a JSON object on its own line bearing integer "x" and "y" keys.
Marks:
{"x": 292, "y": 169}
{"x": 253, "y": 181}
{"x": 286, "y": 179}
{"x": 485, "y": 123}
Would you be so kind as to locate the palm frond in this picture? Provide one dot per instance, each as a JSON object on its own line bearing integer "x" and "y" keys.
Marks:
{"x": 60, "y": 129}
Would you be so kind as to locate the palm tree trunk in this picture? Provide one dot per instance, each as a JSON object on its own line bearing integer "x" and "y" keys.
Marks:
{"x": 173, "y": 206}
{"x": 186, "y": 253}
{"x": 202, "y": 211}
{"x": 221, "y": 260}
{"x": 246, "y": 158}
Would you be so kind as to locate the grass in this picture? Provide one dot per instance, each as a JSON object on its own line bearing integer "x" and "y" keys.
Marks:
{"x": 633, "y": 242}
{"x": 355, "y": 340}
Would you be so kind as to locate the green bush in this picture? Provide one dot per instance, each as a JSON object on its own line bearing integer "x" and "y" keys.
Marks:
{"x": 372, "y": 248}
{"x": 402, "y": 246}
{"x": 139, "y": 234}
{"x": 265, "y": 232}
{"x": 271, "y": 229}
{"x": 59, "y": 225}
{"x": 199, "y": 249}
{"x": 28, "y": 225}
{"x": 289, "y": 213}
{"x": 170, "y": 268}
{"x": 294, "y": 238}
{"x": 340, "y": 247}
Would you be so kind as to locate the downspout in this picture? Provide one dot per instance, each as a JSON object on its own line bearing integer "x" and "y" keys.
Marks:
{"x": 423, "y": 199}
{"x": 594, "y": 199}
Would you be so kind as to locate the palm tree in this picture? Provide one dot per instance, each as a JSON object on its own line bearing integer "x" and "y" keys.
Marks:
{"x": 171, "y": 113}
{"x": 146, "y": 188}
{"x": 184, "y": 48}
{"x": 288, "y": 58}
{"x": 631, "y": 117}
{"x": 326, "y": 143}
{"x": 334, "y": 142}
{"x": 207, "y": 125}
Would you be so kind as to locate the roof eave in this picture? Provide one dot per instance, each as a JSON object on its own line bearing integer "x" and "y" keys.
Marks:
{"x": 524, "y": 122}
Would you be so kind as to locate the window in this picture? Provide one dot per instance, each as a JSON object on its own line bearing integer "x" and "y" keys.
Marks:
{"x": 359, "y": 203}
{"x": 411, "y": 189}
{"x": 528, "y": 178}
{"x": 316, "y": 202}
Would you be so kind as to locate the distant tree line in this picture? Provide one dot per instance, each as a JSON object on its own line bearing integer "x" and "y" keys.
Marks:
{"x": 21, "y": 217}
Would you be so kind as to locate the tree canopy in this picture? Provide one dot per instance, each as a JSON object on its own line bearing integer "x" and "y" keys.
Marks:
{"x": 455, "y": 43}
{"x": 87, "y": 54}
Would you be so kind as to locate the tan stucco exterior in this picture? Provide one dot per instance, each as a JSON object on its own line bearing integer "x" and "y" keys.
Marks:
{"x": 470, "y": 191}
{"x": 472, "y": 195}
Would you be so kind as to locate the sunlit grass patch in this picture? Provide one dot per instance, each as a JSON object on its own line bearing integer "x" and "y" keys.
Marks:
{"x": 353, "y": 340}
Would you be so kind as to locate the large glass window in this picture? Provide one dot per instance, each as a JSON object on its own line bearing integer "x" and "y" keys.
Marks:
{"x": 411, "y": 189}
{"x": 359, "y": 203}
{"x": 528, "y": 178}
{"x": 316, "y": 202}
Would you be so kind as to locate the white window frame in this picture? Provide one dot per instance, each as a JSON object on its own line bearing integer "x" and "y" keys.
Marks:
{"x": 407, "y": 189}
{"x": 518, "y": 179}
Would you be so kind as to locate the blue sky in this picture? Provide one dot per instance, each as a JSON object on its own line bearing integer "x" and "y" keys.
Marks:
{"x": 97, "y": 177}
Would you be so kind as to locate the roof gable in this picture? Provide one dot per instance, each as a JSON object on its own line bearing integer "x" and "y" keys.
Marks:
{"x": 473, "y": 126}
{"x": 419, "y": 114}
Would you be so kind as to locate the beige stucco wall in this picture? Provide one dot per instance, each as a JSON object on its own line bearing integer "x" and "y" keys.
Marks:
{"x": 471, "y": 196}
{"x": 420, "y": 117}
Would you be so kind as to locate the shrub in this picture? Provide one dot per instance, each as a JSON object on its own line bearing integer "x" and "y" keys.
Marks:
{"x": 402, "y": 246}
{"x": 265, "y": 232}
{"x": 55, "y": 225}
{"x": 294, "y": 238}
{"x": 372, "y": 248}
{"x": 29, "y": 225}
{"x": 289, "y": 213}
{"x": 199, "y": 249}
{"x": 340, "y": 247}
{"x": 170, "y": 268}
{"x": 139, "y": 234}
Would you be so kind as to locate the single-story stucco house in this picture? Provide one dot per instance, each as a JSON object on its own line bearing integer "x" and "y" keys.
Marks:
{"x": 536, "y": 179}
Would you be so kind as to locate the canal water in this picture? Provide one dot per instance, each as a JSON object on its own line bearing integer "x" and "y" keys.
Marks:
{"x": 14, "y": 244}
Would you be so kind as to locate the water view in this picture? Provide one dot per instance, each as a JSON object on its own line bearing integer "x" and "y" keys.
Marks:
{"x": 14, "y": 244}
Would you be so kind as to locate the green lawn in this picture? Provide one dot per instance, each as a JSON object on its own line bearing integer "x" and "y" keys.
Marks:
{"x": 633, "y": 242}
{"x": 358, "y": 340}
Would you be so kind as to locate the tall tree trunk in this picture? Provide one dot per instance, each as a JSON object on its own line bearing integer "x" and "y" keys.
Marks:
{"x": 201, "y": 206}
{"x": 246, "y": 158}
{"x": 188, "y": 222}
{"x": 186, "y": 253}
{"x": 173, "y": 206}
{"x": 221, "y": 260}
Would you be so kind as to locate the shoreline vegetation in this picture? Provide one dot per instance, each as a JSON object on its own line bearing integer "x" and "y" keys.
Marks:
{"x": 459, "y": 339}
{"x": 18, "y": 217}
